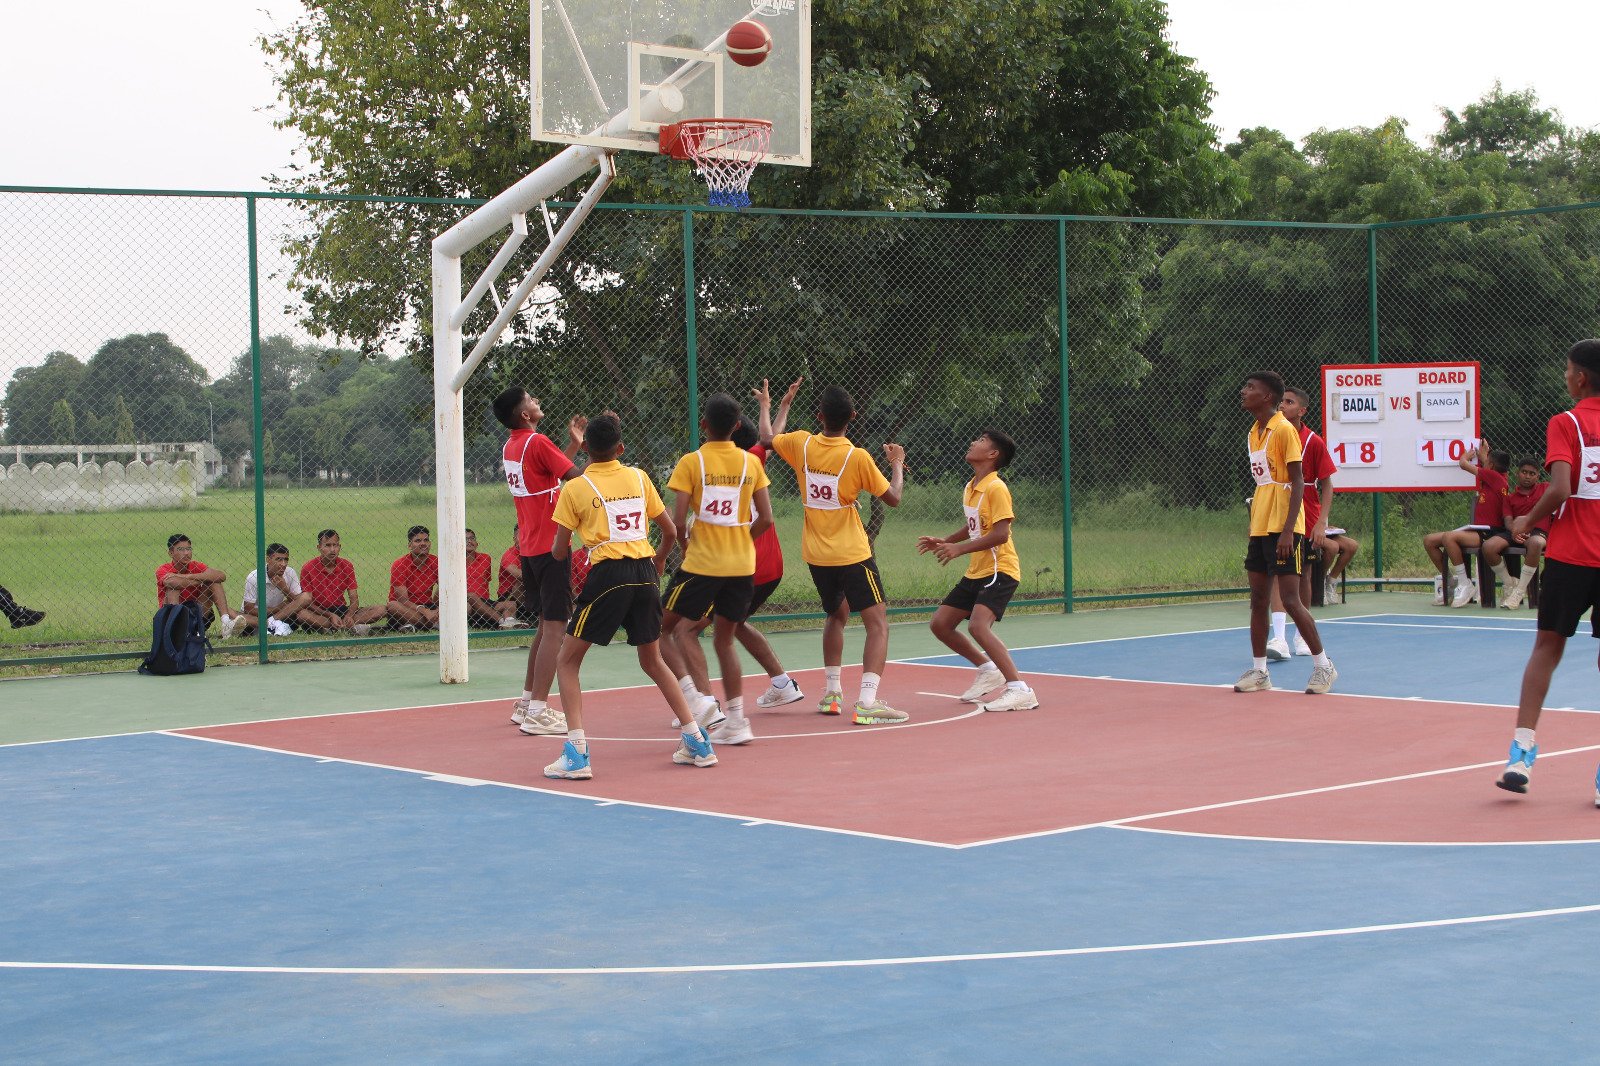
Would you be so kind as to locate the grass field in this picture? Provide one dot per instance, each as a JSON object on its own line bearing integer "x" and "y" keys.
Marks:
{"x": 94, "y": 573}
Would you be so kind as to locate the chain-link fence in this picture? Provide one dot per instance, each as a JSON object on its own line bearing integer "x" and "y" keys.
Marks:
{"x": 253, "y": 370}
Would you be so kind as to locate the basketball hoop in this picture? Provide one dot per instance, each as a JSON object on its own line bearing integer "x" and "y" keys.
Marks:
{"x": 725, "y": 152}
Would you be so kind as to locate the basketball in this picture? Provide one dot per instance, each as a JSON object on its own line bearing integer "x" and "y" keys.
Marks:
{"x": 749, "y": 43}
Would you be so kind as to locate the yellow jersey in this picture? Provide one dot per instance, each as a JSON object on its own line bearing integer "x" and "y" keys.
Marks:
{"x": 831, "y": 473}
{"x": 1272, "y": 449}
{"x": 721, "y": 480}
{"x": 609, "y": 505}
{"x": 987, "y": 501}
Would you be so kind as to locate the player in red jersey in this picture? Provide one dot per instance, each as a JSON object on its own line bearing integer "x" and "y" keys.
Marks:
{"x": 535, "y": 470}
{"x": 185, "y": 579}
{"x": 335, "y": 598}
{"x": 1571, "y": 585}
{"x": 413, "y": 584}
{"x": 485, "y": 610}
{"x": 1489, "y": 467}
{"x": 1519, "y": 501}
{"x": 509, "y": 588}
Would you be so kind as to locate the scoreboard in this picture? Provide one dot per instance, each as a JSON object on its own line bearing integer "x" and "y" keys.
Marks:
{"x": 1400, "y": 427}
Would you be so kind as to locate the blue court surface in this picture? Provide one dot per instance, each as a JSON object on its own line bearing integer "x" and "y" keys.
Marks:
{"x": 170, "y": 899}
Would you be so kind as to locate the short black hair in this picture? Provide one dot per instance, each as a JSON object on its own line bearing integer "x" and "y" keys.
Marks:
{"x": 602, "y": 434}
{"x": 1500, "y": 459}
{"x": 277, "y": 549}
{"x": 1003, "y": 444}
{"x": 414, "y": 530}
{"x": 1585, "y": 355}
{"x": 721, "y": 413}
{"x": 1305, "y": 397}
{"x": 471, "y": 534}
{"x": 1269, "y": 380}
{"x": 325, "y": 534}
{"x": 175, "y": 540}
{"x": 836, "y": 407}
{"x": 506, "y": 404}
{"x": 745, "y": 435}
{"x": 1530, "y": 461}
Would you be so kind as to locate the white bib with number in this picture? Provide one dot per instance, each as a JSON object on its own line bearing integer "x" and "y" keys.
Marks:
{"x": 975, "y": 529}
{"x": 517, "y": 476}
{"x": 624, "y": 517}
{"x": 1261, "y": 470}
{"x": 1588, "y": 466}
{"x": 822, "y": 490}
{"x": 719, "y": 504}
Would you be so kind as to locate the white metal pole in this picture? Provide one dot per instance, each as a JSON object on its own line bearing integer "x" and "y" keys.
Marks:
{"x": 450, "y": 533}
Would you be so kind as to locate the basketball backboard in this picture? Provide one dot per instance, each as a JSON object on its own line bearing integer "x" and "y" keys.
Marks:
{"x": 610, "y": 73}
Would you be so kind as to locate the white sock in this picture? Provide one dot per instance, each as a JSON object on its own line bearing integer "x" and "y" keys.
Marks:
{"x": 691, "y": 730}
{"x": 686, "y": 683}
{"x": 1524, "y": 739}
{"x": 1501, "y": 572}
{"x": 535, "y": 705}
{"x": 1259, "y": 663}
{"x": 734, "y": 708}
{"x": 1524, "y": 578}
{"x": 576, "y": 739}
{"x": 1017, "y": 686}
{"x": 869, "y": 688}
{"x": 782, "y": 681}
{"x": 1280, "y": 621}
{"x": 1460, "y": 571}
{"x": 833, "y": 673}
{"x": 1321, "y": 658}
{"x": 527, "y": 693}
{"x": 987, "y": 664}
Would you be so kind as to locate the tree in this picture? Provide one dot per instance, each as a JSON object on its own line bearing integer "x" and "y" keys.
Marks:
{"x": 122, "y": 431}
{"x": 63, "y": 424}
{"x": 32, "y": 394}
{"x": 160, "y": 386}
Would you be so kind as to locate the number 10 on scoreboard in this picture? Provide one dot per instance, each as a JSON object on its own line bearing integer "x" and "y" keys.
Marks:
{"x": 1441, "y": 451}
{"x": 1348, "y": 453}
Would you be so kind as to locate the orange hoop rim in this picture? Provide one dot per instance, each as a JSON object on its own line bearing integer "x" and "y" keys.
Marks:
{"x": 681, "y": 139}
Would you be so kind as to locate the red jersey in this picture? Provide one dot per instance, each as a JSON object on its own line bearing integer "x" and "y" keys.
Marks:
{"x": 769, "y": 553}
{"x": 1315, "y": 464}
{"x": 534, "y": 466}
{"x": 193, "y": 592}
{"x": 327, "y": 587}
{"x": 510, "y": 570}
{"x": 418, "y": 579}
{"x": 480, "y": 568}
{"x": 1490, "y": 510}
{"x": 1519, "y": 503}
{"x": 1575, "y": 529}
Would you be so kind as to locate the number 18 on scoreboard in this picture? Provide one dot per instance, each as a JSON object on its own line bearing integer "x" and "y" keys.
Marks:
{"x": 1400, "y": 427}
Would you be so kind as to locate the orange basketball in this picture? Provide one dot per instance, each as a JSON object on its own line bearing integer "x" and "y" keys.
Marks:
{"x": 749, "y": 43}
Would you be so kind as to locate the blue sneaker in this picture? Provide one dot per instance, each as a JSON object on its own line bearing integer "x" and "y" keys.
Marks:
{"x": 695, "y": 749}
{"x": 1519, "y": 768}
{"x": 573, "y": 764}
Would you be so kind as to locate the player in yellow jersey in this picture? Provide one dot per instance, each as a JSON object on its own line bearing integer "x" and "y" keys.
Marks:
{"x": 991, "y": 578}
{"x": 832, "y": 473}
{"x": 725, "y": 487}
{"x": 608, "y": 505}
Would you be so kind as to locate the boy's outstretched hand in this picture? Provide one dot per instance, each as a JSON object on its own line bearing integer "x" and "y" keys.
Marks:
{"x": 895, "y": 453}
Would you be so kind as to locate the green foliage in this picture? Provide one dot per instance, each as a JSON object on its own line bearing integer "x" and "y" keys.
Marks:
{"x": 63, "y": 423}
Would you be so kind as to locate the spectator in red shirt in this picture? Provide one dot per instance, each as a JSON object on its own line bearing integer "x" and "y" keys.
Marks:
{"x": 335, "y": 601}
{"x": 1489, "y": 512}
{"x": 413, "y": 579}
{"x": 1519, "y": 502}
{"x": 1570, "y": 509}
{"x": 484, "y": 610}
{"x": 187, "y": 580}
{"x": 510, "y": 587}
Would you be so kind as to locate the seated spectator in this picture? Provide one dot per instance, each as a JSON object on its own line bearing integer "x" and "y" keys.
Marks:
{"x": 1518, "y": 503}
{"x": 335, "y": 601}
{"x": 1489, "y": 512}
{"x": 284, "y": 596}
{"x": 413, "y": 584}
{"x": 510, "y": 587}
{"x": 187, "y": 580}
{"x": 484, "y": 612}
{"x": 19, "y": 616}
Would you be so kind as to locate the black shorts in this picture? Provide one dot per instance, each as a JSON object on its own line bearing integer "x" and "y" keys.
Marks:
{"x": 1261, "y": 555}
{"x": 620, "y": 593}
{"x": 858, "y": 584}
{"x": 1566, "y": 591}
{"x": 762, "y": 593}
{"x": 697, "y": 595}
{"x": 992, "y": 592}
{"x": 547, "y": 586}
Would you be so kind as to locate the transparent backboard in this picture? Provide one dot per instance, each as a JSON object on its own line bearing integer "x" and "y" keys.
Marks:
{"x": 612, "y": 72}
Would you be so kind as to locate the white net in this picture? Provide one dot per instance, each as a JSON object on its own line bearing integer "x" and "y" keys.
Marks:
{"x": 725, "y": 152}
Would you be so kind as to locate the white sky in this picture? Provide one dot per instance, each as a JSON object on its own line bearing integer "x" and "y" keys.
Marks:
{"x": 172, "y": 93}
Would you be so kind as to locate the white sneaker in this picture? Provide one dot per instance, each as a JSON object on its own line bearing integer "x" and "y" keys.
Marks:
{"x": 777, "y": 697}
{"x": 1514, "y": 597}
{"x": 1438, "y": 592}
{"x": 1322, "y": 679}
{"x": 229, "y": 623}
{"x": 519, "y": 710}
{"x": 279, "y": 628}
{"x": 1300, "y": 645}
{"x": 510, "y": 621}
{"x": 707, "y": 714}
{"x": 1253, "y": 681}
{"x": 1330, "y": 592}
{"x": 733, "y": 731}
{"x": 988, "y": 679}
{"x": 361, "y": 629}
{"x": 548, "y": 722}
{"x": 1278, "y": 650}
{"x": 1466, "y": 592}
{"x": 1013, "y": 699}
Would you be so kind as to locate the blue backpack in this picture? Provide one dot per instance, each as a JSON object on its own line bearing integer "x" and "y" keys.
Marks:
{"x": 178, "y": 643}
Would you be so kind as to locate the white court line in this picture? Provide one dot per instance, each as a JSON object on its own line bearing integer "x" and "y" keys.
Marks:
{"x": 1358, "y": 843}
{"x": 1116, "y": 823}
{"x": 820, "y": 964}
{"x": 853, "y": 731}
{"x": 1419, "y": 625}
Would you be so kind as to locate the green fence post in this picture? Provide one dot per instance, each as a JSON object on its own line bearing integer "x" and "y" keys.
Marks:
{"x": 689, "y": 299}
{"x": 1372, "y": 351}
{"x": 1066, "y": 441}
{"x": 258, "y": 433}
